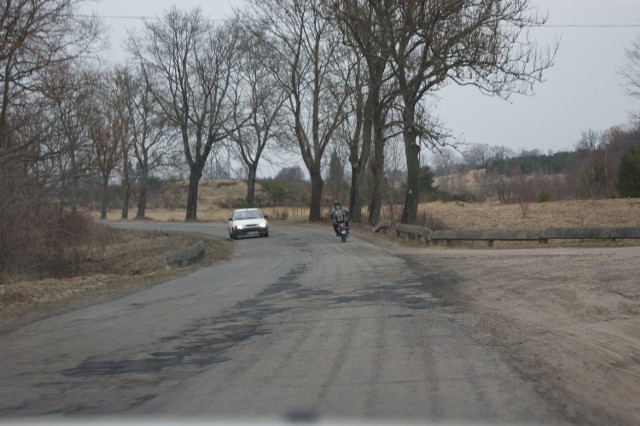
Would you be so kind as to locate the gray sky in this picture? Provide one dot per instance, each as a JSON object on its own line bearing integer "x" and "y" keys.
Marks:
{"x": 582, "y": 90}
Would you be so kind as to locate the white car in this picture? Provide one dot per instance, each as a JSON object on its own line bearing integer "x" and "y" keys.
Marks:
{"x": 248, "y": 222}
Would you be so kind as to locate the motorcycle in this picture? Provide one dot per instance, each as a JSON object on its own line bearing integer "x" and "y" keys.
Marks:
{"x": 343, "y": 231}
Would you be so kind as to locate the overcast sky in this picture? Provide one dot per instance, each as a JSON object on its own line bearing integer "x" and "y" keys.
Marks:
{"x": 582, "y": 91}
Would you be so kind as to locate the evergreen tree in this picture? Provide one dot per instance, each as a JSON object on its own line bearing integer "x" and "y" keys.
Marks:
{"x": 427, "y": 178}
{"x": 628, "y": 183}
{"x": 335, "y": 183}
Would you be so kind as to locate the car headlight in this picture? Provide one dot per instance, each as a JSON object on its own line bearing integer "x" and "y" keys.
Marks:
{"x": 239, "y": 227}
{"x": 263, "y": 225}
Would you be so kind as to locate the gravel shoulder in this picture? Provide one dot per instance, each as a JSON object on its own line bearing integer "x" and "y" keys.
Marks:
{"x": 568, "y": 319}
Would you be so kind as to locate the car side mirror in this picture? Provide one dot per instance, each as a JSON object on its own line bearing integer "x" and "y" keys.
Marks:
{"x": 266, "y": 216}
{"x": 230, "y": 219}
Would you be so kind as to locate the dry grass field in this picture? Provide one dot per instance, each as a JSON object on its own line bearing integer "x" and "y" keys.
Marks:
{"x": 570, "y": 214}
{"x": 215, "y": 195}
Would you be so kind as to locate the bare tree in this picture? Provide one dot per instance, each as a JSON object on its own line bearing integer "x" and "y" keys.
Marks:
{"x": 335, "y": 176}
{"x": 308, "y": 47}
{"x": 444, "y": 162}
{"x": 123, "y": 130}
{"x": 150, "y": 140}
{"x": 358, "y": 23}
{"x": 360, "y": 141}
{"x": 105, "y": 128}
{"x": 630, "y": 71}
{"x": 259, "y": 107}
{"x": 477, "y": 155}
{"x": 591, "y": 141}
{"x": 187, "y": 65}
{"x": 69, "y": 90}
{"x": 34, "y": 36}
{"x": 469, "y": 42}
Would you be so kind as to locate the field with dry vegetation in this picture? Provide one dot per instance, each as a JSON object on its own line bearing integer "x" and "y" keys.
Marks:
{"x": 569, "y": 214}
{"x": 217, "y": 196}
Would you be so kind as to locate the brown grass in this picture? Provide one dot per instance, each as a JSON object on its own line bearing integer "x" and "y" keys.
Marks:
{"x": 570, "y": 214}
{"x": 215, "y": 201}
{"x": 122, "y": 261}
{"x": 209, "y": 213}
{"x": 214, "y": 194}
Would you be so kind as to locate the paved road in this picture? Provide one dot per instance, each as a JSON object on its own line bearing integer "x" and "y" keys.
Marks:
{"x": 294, "y": 325}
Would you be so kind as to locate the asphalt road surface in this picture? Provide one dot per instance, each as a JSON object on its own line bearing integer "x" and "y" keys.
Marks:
{"x": 294, "y": 326}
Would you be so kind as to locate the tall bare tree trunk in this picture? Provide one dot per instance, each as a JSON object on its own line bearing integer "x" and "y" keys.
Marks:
{"x": 377, "y": 165}
{"x": 251, "y": 187}
{"x": 355, "y": 194}
{"x": 359, "y": 161}
{"x": 377, "y": 169}
{"x": 412, "y": 153}
{"x": 75, "y": 184}
{"x": 317, "y": 187}
{"x": 192, "y": 196}
{"x": 126, "y": 183}
{"x": 142, "y": 196}
{"x": 104, "y": 196}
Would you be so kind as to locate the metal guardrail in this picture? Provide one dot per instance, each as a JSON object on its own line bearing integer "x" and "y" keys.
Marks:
{"x": 489, "y": 236}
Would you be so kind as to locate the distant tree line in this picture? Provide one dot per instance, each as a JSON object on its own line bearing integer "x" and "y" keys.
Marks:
{"x": 603, "y": 165}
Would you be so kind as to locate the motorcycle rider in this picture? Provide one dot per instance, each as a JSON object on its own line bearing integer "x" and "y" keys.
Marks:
{"x": 339, "y": 215}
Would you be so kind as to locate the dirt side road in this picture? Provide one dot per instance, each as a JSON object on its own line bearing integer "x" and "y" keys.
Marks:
{"x": 568, "y": 319}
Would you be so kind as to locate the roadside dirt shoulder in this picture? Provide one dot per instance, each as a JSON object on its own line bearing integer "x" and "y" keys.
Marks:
{"x": 568, "y": 319}
{"x": 125, "y": 262}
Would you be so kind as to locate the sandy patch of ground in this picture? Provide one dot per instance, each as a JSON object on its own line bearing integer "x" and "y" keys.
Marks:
{"x": 568, "y": 319}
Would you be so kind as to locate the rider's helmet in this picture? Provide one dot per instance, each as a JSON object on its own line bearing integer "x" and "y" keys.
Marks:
{"x": 336, "y": 204}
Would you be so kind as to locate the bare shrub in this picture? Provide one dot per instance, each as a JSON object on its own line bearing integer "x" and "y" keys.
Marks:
{"x": 281, "y": 213}
{"x": 37, "y": 238}
{"x": 69, "y": 244}
{"x": 393, "y": 213}
{"x": 25, "y": 218}
{"x": 430, "y": 221}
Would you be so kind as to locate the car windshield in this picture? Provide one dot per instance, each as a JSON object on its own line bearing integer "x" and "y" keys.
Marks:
{"x": 254, "y": 214}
